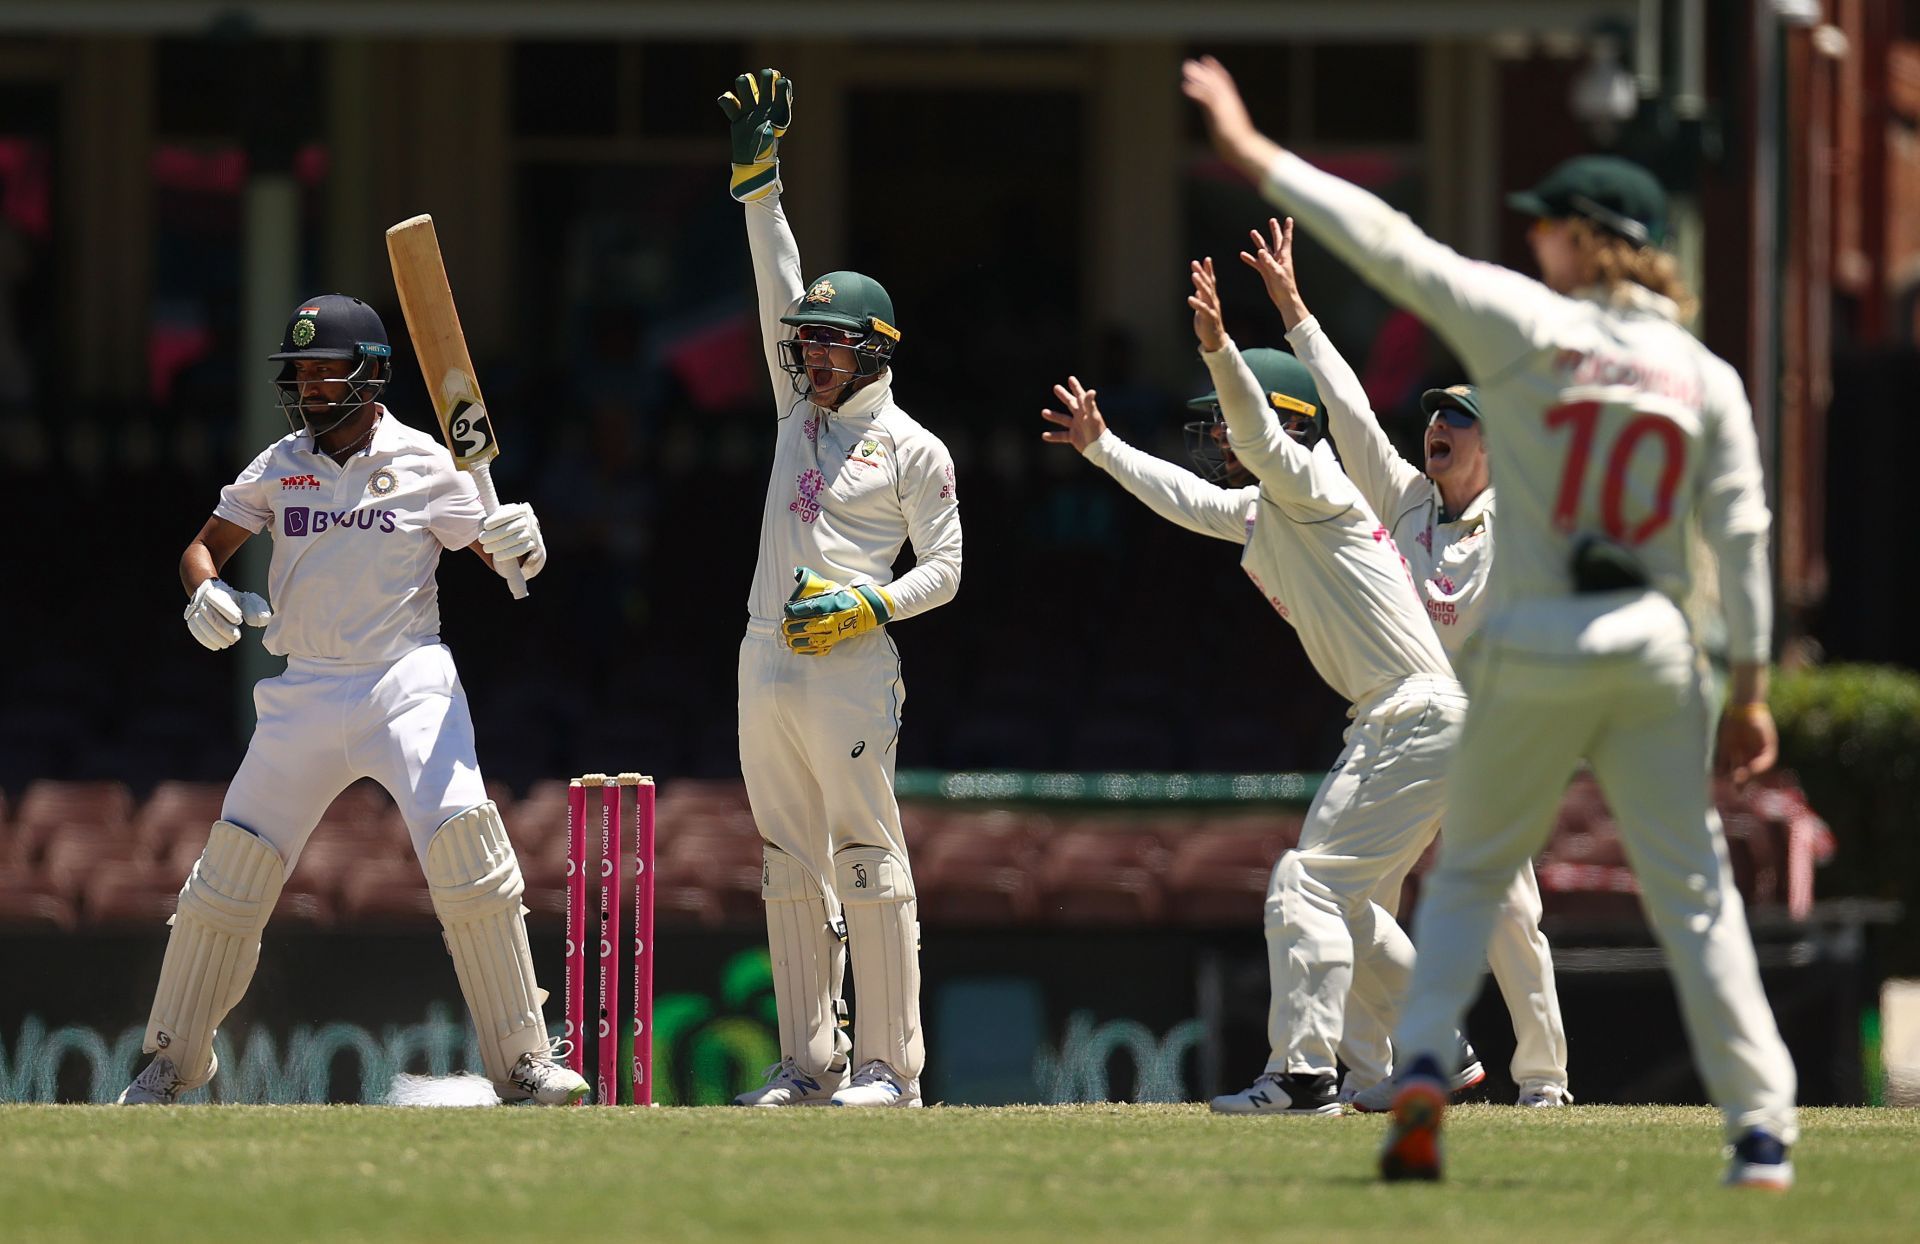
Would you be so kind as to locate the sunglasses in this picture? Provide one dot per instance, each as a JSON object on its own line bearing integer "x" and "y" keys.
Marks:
{"x": 1453, "y": 417}
{"x": 820, "y": 334}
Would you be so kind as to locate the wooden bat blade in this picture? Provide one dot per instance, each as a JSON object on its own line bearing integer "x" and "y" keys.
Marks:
{"x": 439, "y": 343}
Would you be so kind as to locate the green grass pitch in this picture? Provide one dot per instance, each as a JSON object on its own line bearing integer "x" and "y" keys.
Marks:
{"x": 273, "y": 1175}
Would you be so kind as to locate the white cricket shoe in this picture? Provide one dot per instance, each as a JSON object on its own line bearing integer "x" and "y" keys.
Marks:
{"x": 158, "y": 1084}
{"x": 1379, "y": 1098}
{"x": 1542, "y": 1093}
{"x": 543, "y": 1081}
{"x": 788, "y": 1085}
{"x": 877, "y": 1084}
{"x": 1282, "y": 1093}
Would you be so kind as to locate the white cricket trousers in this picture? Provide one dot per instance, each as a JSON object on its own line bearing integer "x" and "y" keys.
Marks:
{"x": 818, "y": 742}
{"x": 1615, "y": 681}
{"x": 321, "y": 726}
{"x": 1378, "y": 808}
{"x": 1522, "y": 965}
{"x": 819, "y": 737}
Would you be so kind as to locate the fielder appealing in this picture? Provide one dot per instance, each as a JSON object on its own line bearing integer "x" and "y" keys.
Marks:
{"x": 1442, "y": 521}
{"x": 853, "y": 479}
{"x": 1612, "y": 428}
{"x": 1315, "y": 550}
{"x": 359, "y": 507}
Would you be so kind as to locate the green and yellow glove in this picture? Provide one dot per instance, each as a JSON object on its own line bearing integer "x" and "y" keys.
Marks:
{"x": 759, "y": 109}
{"x": 821, "y": 613}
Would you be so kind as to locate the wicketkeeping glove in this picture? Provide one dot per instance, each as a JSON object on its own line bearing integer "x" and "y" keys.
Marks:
{"x": 216, "y": 611}
{"x": 759, "y": 109}
{"x": 821, "y": 613}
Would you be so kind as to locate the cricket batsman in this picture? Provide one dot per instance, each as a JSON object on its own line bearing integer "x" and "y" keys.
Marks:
{"x": 854, "y": 478}
{"x": 359, "y": 507}
{"x": 1610, "y": 429}
{"x": 1317, "y": 553}
{"x": 1441, "y": 517}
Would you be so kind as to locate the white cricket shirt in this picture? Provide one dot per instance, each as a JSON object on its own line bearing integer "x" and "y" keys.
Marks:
{"x": 1450, "y": 560}
{"x": 355, "y": 547}
{"x": 849, "y": 487}
{"x": 1603, "y": 415}
{"x": 1313, "y": 547}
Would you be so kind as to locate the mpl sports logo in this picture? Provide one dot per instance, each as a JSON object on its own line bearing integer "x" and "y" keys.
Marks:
{"x": 300, "y": 482}
{"x": 298, "y": 520}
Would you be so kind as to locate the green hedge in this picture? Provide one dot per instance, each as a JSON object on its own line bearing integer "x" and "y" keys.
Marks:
{"x": 1852, "y": 734}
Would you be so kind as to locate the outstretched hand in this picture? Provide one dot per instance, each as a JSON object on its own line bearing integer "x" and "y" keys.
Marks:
{"x": 1083, "y": 421}
{"x": 1205, "y": 301}
{"x": 1273, "y": 260}
{"x": 1207, "y": 83}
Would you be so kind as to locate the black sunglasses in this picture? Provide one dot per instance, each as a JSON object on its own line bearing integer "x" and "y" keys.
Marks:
{"x": 1453, "y": 417}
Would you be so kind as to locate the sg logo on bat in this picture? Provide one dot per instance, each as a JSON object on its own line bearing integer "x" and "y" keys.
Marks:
{"x": 471, "y": 431}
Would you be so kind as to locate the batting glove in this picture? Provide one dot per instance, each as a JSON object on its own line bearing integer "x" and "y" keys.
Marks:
{"x": 216, "y": 611}
{"x": 512, "y": 532}
{"x": 821, "y": 613}
{"x": 759, "y": 109}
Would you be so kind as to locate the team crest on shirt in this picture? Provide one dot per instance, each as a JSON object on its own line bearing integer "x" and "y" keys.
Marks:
{"x": 383, "y": 482}
{"x": 866, "y": 452}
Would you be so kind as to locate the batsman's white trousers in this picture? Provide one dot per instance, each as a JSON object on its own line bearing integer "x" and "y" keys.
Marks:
{"x": 1379, "y": 807}
{"x": 1615, "y": 679}
{"x": 322, "y": 726}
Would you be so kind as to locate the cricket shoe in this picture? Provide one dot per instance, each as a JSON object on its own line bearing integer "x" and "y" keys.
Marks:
{"x": 1542, "y": 1093}
{"x": 877, "y": 1084}
{"x": 540, "y": 1079}
{"x": 159, "y": 1084}
{"x": 1412, "y": 1150}
{"x": 1759, "y": 1160}
{"x": 1283, "y": 1093}
{"x": 1379, "y": 1099}
{"x": 787, "y": 1085}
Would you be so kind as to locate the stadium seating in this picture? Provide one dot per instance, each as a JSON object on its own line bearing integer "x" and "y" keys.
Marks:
{"x": 88, "y": 854}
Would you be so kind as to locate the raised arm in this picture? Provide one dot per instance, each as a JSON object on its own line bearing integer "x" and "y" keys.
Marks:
{"x": 759, "y": 109}
{"x": 1177, "y": 495}
{"x": 1385, "y": 478}
{"x": 1483, "y": 311}
{"x": 1254, "y": 433}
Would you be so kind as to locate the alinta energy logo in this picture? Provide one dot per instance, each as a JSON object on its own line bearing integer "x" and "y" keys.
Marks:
{"x": 299, "y": 520}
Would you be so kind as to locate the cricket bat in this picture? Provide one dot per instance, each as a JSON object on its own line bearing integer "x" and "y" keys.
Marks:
{"x": 426, "y": 299}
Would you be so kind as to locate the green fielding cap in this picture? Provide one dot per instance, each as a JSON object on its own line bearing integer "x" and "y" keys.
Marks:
{"x": 846, "y": 300}
{"x": 1283, "y": 378}
{"x": 1459, "y": 396}
{"x": 1616, "y": 194}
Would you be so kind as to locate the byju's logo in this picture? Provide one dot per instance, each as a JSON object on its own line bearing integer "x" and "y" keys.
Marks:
{"x": 298, "y": 520}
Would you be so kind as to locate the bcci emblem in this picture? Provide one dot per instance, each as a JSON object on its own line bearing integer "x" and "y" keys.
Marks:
{"x": 303, "y": 333}
{"x": 821, "y": 292}
{"x": 382, "y": 483}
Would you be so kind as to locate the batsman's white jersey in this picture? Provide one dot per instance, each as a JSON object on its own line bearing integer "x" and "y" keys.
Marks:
{"x": 1604, "y": 417}
{"x": 818, "y": 734}
{"x": 355, "y": 547}
{"x": 1450, "y": 561}
{"x": 1319, "y": 555}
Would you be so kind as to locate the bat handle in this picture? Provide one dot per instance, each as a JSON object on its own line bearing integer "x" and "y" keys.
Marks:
{"x": 489, "y": 502}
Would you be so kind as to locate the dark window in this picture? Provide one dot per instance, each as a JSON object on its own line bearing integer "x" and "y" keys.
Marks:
{"x": 566, "y": 90}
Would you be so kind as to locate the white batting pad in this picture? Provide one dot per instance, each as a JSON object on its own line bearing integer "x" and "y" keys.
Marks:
{"x": 214, "y": 946}
{"x": 883, "y": 930}
{"x": 474, "y": 878}
{"x": 809, "y": 964}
